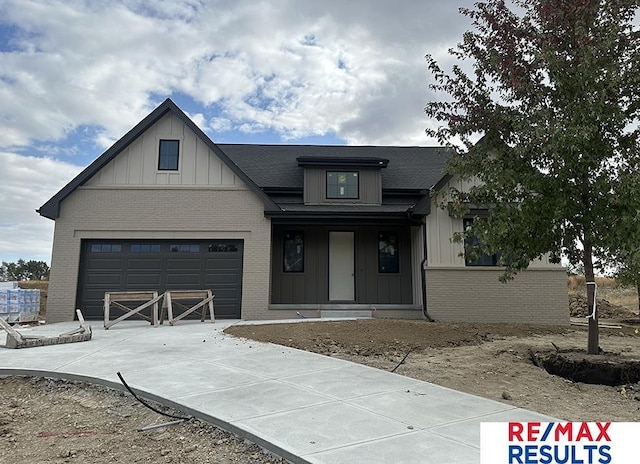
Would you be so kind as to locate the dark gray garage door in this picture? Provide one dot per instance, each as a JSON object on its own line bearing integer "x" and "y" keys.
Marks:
{"x": 126, "y": 265}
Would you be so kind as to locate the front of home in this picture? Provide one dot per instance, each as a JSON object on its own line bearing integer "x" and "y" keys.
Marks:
{"x": 277, "y": 231}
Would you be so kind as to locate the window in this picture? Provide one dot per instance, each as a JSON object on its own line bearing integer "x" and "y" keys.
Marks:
{"x": 388, "y": 256}
{"x": 484, "y": 259}
{"x": 168, "y": 155}
{"x": 106, "y": 248}
{"x": 342, "y": 184}
{"x": 145, "y": 248}
{"x": 184, "y": 248}
{"x": 293, "y": 252}
{"x": 223, "y": 248}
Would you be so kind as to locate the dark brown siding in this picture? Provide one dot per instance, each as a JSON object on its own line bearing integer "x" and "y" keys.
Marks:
{"x": 369, "y": 184}
{"x": 311, "y": 286}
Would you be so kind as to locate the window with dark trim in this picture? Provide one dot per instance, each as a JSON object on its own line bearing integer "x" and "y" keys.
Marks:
{"x": 168, "y": 155}
{"x": 388, "y": 253}
{"x": 184, "y": 248}
{"x": 145, "y": 248}
{"x": 106, "y": 248}
{"x": 223, "y": 248}
{"x": 484, "y": 259}
{"x": 342, "y": 184}
{"x": 293, "y": 260}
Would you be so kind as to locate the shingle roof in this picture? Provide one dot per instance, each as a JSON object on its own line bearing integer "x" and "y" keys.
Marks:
{"x": 276, "y": 166}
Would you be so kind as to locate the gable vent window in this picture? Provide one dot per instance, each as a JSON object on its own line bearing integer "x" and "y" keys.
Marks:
{"x": 342, "y": 184}
{"x": 168, "y": 155}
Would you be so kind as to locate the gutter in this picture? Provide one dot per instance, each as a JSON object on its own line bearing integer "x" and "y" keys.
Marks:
{"x": 423, "y": 274}
{"x": 423, "y": 263}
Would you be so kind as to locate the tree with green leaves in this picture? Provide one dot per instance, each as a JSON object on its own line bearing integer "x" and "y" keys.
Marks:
{"x": 24, "y": 270}
{"x": 552, "y": 90}
{"x": 624, "y": 258}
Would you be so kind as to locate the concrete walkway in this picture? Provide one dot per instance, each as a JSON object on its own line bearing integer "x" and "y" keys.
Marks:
{"x": 305, "y": 407}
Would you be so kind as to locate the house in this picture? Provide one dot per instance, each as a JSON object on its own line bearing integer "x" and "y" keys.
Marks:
{"x": 277, "y": 231}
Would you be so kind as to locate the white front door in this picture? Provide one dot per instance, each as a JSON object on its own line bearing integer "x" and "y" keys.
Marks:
{"x": 341, "y": 266}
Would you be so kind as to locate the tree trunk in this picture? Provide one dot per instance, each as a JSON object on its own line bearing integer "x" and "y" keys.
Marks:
{"x": 593, "y": 344}
{"x": 638, "y": 290}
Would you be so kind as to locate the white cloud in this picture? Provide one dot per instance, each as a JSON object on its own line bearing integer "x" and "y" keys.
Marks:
{"x": 299, "y": 68}
{"x": 352, "y": 68}
{"x": 27, "y": 183}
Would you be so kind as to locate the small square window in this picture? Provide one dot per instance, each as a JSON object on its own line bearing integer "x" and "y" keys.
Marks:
{"x": 342, "y": 184}
{"x": 168, "y": 155}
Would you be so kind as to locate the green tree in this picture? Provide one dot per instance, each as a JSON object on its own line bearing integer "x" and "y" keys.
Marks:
{"x": 624, "y": 258}
{"x": 24, "y": 270}
{"x": 553, "y": 91}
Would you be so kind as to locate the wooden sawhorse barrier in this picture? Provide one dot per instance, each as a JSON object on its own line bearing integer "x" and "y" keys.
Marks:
{"x": 205, "y": 303}
{"x": 150, "y": 298}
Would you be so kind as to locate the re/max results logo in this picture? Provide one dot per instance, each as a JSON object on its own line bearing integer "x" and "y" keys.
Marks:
{"x": 558, "y": 442}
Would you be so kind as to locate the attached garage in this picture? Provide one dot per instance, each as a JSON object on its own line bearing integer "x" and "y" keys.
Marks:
{"x": 128, "y": 265}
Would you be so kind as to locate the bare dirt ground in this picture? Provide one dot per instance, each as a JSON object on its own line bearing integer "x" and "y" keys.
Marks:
{"x": 47, "y": 421}
{"x": 51, "y": 421}
{"x": 489, "y": 360}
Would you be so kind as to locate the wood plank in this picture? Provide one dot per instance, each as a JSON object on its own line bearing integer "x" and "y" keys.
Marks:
{"x": 111, "y": 297}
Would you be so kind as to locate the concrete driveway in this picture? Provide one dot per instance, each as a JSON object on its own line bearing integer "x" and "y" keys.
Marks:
{"x": 305, "y": 407}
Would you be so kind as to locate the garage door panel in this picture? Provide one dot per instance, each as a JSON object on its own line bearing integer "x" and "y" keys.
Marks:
{"x": 106, "y": 263}
{"x": 188, "y": 264}
{"x": 104, "y": 279}
{"x": 122, "y": 265}
{"x": 183, "y": 279}
{"x": 144, "y": 280}
{"x": 144, "y": 263}
{"x": 221, "y": 279}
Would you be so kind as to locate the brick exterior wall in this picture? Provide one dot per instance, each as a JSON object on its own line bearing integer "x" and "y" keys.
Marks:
{"x": 536, "y": 296}
{"x": 160, "y": 213}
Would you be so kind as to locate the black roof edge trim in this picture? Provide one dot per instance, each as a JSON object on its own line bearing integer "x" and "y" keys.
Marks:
{"x": 423, "y": 207}
{"x": 334, "y": 214}
{"x": 442, "y": 182}
{"x": 51, "y": 209}
{"x": 342, "y": 161}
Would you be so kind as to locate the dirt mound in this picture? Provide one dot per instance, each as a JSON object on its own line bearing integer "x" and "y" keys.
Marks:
{"x": 373, "y": 337}
{"x": 606, "y": 310}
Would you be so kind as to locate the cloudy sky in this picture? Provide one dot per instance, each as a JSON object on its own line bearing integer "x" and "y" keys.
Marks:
{"x": 76, "y": 75}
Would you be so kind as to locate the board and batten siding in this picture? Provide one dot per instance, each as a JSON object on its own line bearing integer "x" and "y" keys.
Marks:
{"x": 369, "y": 186}
{"x": 441, "y": 250}
{"x": 456, "y": 292}
{"x": 138, "y": 163}
{"x": 130, "y": 199}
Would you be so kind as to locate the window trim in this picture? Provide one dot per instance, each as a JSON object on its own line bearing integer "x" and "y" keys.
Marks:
{"x": 284, "y": 251}
{"x": 387, "y": 233}
{"x": 494, "y": 258}
{"x": 177, "y": 163}
{"x": 326, "y": 185}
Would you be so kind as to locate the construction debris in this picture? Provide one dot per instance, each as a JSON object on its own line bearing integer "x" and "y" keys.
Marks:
{"x": 17, "y": 340}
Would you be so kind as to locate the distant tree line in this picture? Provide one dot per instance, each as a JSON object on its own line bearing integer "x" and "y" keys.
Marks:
{"x": 24, "y": 270}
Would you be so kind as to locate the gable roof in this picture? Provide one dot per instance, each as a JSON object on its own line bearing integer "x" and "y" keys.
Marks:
{"x": 276, "y": 166}
{"x": 414, "y": 170}
{"x": 51, "y": 209}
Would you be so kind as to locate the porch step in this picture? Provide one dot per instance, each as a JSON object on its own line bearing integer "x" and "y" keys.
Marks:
{"x": 349, "y": 313}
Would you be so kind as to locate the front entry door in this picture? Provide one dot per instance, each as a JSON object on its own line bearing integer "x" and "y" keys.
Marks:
{"x": 341, "y": 266}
